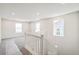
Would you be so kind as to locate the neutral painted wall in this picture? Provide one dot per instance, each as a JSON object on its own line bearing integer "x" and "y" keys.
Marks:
{"x": 67, "y": 44}
{"x": 8, "y": 27}
{"x": 71, "y": 39}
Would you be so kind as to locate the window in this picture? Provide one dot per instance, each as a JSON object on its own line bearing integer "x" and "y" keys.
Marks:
{"x": 58, "y": 28}
{"x": 37, "y": 27}
{"x": 18, "y": 27}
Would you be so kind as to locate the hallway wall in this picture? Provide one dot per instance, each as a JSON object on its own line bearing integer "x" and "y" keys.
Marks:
{"x": 71, "y": 39}
{"x": 9, "y": 27}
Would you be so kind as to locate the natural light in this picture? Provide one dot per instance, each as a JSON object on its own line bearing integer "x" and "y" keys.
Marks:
{"x": 58, "y": 27}
{"x": 37, "y": 27}
{"x": 18, "y": 27}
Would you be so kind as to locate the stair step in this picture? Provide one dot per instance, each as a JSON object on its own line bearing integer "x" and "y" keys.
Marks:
{"x": 25, "y": 51}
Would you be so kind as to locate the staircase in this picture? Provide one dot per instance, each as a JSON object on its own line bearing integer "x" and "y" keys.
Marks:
{"x": 24, "y": 51}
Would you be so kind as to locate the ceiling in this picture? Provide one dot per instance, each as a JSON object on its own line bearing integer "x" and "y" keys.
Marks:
{"x": 34, "y": 11}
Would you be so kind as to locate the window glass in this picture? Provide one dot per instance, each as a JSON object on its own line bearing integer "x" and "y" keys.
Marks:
{"x": 18, "y": 27}
{"x": 58, "y": 27}
{"x": 37, "y": 27}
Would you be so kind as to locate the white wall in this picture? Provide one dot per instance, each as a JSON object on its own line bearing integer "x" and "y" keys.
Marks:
{"x": 71, "y": 39}
{"x": 9, "y": 27}
{"x": 67, "y": 44}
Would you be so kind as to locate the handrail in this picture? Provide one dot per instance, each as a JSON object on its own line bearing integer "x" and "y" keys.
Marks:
{"x": 23, "y": 34}
{"x": 12, "y": 37}
{"x": 32, "y": 35}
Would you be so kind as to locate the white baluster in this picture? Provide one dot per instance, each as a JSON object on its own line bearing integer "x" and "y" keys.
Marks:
{"x": 41, "y": 45}
{"x": 24, "y": 39}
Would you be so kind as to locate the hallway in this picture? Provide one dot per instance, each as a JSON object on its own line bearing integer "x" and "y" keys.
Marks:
{"x": 40, "y": 29}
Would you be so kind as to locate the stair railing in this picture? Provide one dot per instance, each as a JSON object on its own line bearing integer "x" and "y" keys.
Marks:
{"x": 39, "y": 42}
{"x": 29, "y": 38}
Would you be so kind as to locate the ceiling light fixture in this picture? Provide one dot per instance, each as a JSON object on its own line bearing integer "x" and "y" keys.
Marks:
{"x": 13, "y": 13}
{"x": 37, "y": 13}
{"x": 62, "y": 3}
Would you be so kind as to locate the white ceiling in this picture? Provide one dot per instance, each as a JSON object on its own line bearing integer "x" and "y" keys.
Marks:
{"x": 34, "y": 11}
